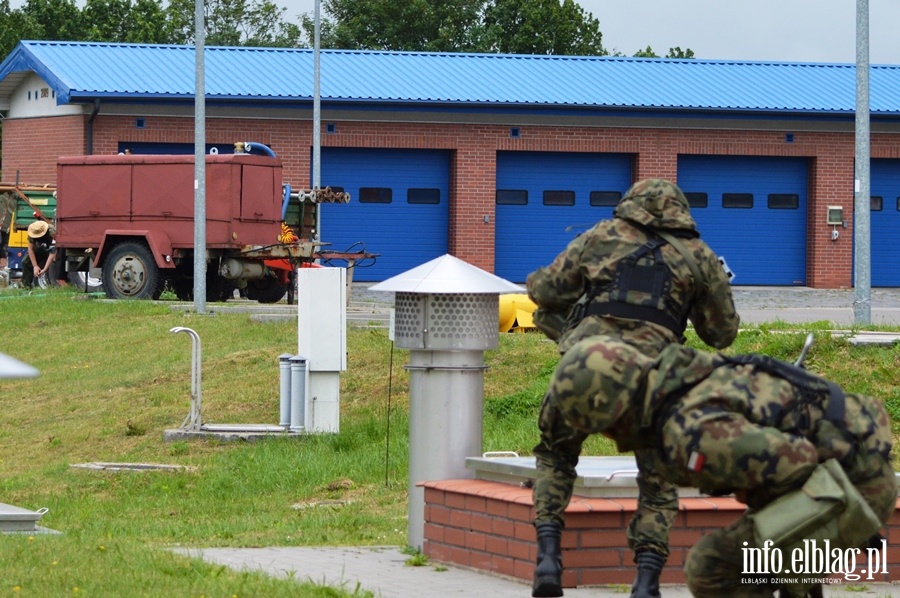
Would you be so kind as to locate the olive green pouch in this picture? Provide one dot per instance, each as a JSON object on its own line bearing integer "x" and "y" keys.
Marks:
{"x": 827, "y": 507}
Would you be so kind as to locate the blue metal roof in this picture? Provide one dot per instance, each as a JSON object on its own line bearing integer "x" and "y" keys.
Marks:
{"x": 83, "y": 71}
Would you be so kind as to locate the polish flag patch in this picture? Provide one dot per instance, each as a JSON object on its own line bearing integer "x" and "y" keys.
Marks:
{"x": 696, "y": 461}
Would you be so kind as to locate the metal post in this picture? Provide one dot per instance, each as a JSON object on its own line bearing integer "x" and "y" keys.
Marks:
{"x": 199, "y": 162}
{"x": 317, "y": 119}
{"x": 862, "y": 305}
{"x": 284, "y": 369}
{"x": 298, "y": 394}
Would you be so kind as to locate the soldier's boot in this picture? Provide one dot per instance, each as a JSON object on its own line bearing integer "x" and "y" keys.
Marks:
{"x": 649, "y": 567}
{"x": 548, "y": 572}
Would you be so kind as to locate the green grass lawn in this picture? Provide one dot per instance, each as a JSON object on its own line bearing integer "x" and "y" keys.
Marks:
{"x": 113, "y": 378}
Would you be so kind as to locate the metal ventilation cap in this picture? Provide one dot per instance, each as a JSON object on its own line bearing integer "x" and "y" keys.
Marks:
{"x": 446, "y": 274}
{"x": 13, "y": 368}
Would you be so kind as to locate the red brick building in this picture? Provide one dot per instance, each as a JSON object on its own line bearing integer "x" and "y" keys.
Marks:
{"x": 497, "y": 159}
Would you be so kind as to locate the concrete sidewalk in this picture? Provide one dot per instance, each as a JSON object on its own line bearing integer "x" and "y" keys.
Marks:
{"x": 382, "y": 570}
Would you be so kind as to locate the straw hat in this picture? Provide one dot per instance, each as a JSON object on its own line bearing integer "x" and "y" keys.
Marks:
{"x": 38, "y": 229}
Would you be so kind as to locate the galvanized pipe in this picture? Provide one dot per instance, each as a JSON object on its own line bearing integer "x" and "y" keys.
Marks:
{"x": 284, "y": 378}
{"x": 446, "y": 403}
{"x": 298, "y": 394}
{"x": 194, "y": 419}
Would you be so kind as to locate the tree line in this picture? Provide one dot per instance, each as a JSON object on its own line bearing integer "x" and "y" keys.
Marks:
{"x": 489, "y": 26}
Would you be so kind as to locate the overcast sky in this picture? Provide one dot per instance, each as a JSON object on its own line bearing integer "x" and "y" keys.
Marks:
{"x": 779, "y": 30}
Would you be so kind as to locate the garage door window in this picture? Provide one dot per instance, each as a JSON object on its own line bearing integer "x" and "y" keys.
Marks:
{"x": 697, "y": 200}
{"x": 426, "y": 196}
{"x": 876, "y": 203}
{"x": 605, "y": 199}
{"x": 512, "y": 197}
{"x": 737, "y": 200}
{"x": 559, "y": 198}
{"x": 784, "y": 201}
{"x": 375, "y": 195}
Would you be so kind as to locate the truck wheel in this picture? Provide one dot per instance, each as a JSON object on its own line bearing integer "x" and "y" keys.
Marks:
{"x": 266, "y": 290}
{"x": 217, "y": 288}
{"x": 129, "y": 272}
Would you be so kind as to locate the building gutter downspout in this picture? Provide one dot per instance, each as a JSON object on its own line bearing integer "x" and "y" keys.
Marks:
{"x": 90, "y": 127}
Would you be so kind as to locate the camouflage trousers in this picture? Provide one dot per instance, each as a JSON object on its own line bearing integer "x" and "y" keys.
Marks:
{"x": 715, "y": 565}
{"x": 557, "y": 455}
{"x": 760, "y": 462}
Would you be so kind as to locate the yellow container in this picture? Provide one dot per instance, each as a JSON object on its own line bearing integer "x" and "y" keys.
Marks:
{"x": 516, "y": 313}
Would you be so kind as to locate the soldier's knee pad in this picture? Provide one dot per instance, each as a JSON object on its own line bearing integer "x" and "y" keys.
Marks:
{"x": 827, "y": 507}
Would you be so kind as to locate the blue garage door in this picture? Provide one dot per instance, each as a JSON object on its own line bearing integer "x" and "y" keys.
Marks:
{"x": 545, "y": 199}
{"x": 752, "y": 212}
{"x": 885, "y": 222}
{"x": 399, "y": 207}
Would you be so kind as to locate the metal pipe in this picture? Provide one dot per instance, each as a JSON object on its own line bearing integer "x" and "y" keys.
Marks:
{"x": 90, "y": 127}
{"x": 862, "y": 201}
{"x": 249, "y": 146}
{"x": 285, "y": 200}
{"x": 195, "y": 418}
{"x": 317, "y": 114}
{"x": 298, "y": 394}
{"x": 199, "y": 159}
{"x": 284, "y": 370}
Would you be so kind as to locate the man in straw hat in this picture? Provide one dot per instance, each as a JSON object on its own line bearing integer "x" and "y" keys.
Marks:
{"x": 42, "y": 253}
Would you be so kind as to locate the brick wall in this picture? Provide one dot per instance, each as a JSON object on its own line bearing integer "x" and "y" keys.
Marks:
{"x": 32, "y": 146}
{"x": 487, "y": 525}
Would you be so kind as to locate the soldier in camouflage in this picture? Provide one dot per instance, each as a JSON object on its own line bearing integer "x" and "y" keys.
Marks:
{"x": 639, "y": 277}
{"x": 811, "y": 462}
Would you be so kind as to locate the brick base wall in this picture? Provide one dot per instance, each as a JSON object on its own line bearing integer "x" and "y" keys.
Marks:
{"x": 487, "y": 525}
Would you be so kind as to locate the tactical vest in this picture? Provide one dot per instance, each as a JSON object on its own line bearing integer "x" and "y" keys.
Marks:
{"x": 641, "y": 285}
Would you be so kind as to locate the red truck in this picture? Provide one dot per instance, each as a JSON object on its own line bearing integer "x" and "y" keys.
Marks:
{"x": 133, "y": 217}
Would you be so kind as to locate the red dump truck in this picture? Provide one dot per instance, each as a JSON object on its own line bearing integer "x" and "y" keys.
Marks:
{"x": 132, "y": 216}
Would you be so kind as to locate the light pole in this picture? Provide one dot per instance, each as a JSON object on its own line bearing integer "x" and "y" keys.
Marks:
{"x": 199, "y": 162}
{"x": 862, "y": 305}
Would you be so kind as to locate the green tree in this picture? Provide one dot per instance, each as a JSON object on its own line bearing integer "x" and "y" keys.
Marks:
{"x": 56, "y": 19}
{"x": 148, "y": 23}
{"x": 234, "y": 23}
{"x": 410, "y": 25}
{"x": 541, "y": 27}
{"x": 15, "y": 25}
{"x": 121, "y": 21}
{"x": 676, "y": 52}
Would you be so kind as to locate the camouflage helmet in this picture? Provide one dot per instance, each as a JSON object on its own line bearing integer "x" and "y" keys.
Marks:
{"x": 654, "y": 200}
{"x": 602, "y": 374}
{"x": 657, "y": 190}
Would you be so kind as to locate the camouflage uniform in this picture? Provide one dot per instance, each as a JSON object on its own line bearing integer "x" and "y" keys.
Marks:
{"x": 719, "y": 425}
{"x": 591, "y": 261}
